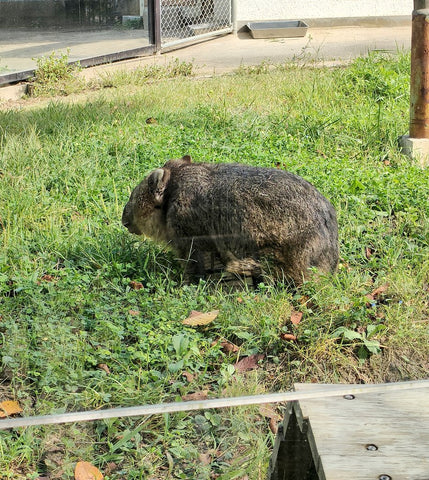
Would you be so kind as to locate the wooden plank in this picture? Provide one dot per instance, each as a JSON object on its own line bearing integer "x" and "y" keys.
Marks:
{"x": 340, "y": 431}
{"x": 337, "y": 468}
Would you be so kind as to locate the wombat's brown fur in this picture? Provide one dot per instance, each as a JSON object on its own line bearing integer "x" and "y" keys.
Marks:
{"x": 239, "y": 213}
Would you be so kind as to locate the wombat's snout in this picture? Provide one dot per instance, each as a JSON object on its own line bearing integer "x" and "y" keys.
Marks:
{"x": 128, "y": 223}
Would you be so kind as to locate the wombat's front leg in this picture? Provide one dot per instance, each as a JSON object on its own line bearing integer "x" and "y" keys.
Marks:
{"x": 193, "y": 259}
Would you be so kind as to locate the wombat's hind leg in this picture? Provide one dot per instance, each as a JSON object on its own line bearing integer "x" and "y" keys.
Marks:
{"x": 248, "y": 268}
{"x": 244, "y": 266}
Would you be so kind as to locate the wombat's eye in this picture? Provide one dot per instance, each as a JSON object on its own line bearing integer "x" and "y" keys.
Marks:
{"x": 158, "y": 207}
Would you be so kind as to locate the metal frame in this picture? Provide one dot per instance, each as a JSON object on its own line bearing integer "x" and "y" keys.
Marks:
{"x": 155, "y": 39}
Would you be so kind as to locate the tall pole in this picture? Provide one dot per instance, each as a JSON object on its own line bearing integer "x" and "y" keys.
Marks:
{"x": 419, "y": 81}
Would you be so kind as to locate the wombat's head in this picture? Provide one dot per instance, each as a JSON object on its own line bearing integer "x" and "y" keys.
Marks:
{"x": 143, "y": 208}
{"x": 143, "y": 212}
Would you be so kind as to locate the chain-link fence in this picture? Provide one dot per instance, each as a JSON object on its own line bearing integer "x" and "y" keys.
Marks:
{"x": 185, "y": 19}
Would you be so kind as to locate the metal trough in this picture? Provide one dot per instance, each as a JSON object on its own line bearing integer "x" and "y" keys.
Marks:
{"x": 278, "y": 28}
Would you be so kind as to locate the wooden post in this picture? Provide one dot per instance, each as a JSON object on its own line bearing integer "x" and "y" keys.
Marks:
{"x": 419, "y": 81}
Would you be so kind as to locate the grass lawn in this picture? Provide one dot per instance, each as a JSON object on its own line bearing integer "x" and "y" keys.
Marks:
{"x": 91, "y": 316}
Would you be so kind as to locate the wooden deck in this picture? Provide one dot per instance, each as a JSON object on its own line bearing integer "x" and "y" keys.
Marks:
{"x": 374, "y": 436}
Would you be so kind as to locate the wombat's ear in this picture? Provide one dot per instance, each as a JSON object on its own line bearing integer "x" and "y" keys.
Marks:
{"x": 157, "y": 181}
{"x": 187, "y": 158}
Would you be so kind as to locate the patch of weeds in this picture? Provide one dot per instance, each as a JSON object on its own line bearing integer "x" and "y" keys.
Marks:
{"x": 259, "y": 69}
{"x": 379, "y": 75}
{"x": 55, "y": 75}
{"x": 146, "y": 74}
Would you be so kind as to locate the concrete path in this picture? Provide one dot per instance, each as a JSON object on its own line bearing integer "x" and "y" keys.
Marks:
{"x": 227, "y": 53}
{"x": 323, "y": 45}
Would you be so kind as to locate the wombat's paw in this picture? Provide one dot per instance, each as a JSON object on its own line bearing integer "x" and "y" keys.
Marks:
{"x": 244, "y": 266}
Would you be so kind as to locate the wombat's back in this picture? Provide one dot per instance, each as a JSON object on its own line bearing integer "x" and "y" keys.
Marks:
{"x": 242, "y": 211}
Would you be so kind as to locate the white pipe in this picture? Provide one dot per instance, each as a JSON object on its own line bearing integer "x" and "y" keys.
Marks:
{"x": 322, "y": 392}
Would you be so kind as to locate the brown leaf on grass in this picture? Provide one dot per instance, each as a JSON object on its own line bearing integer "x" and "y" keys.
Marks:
{"x": 189, "y": 377}
{"x": 368, "y": 252}
{"x": 248, "y": 363}
{"x": 87, "y": 471}
{"x": 134, "y": 313}
{"x": 378, "y": 291}
{"x": 201, "y": 395}
{"x": 273, "y": 424}
{"x": 205, "y": 458}
{"x": 136, "y": 285}
{"x": 198, "y": 318}
{"x": 268, "y": 410}
{"x": 103, "y": 366}
{"x": 48, "y": 278}
{"x": 110, "y": 468}
{"x": 273, "y": 417}
{"x": 229, "y": 347}
{"x": 8, "y": 408}
{"x": 290, "y": 337}
{"x": 295, "y": 317}
{"x": 151, "y": 121}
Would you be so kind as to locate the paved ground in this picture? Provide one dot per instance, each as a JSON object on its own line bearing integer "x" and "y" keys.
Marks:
{"x": 222, "y": 54}
{"x": 328, "y": 45}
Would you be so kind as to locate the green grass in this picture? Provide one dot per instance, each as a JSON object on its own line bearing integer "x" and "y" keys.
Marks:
{"x": 66, "y": 264}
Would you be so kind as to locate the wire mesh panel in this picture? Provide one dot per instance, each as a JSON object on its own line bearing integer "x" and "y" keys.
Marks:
{"x": 183, "y": 20}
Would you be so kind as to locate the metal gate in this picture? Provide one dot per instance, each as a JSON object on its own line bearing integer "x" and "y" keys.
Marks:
{"x": 188, "y": 20}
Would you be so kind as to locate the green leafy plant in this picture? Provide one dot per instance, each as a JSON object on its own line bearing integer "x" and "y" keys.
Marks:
{"x": 363, "y": 339}
{"x": 54, "y": 74}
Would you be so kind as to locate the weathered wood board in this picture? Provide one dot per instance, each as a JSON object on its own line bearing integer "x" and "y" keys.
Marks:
{"x": 369, "y": 436}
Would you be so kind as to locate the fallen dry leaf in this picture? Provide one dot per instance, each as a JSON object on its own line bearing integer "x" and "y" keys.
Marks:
{"x": 189, "y": 377}
{"x": 205, "y": 458}
{"x": 9, "y": 407}
{"x": 378, "y": 291}
{"x": 47, "y": 278}
{"x": 201, "y": 395}
{"x": 288, "y": 336}
{"x": 229, "y": 347}
{"x": 136, "y": 285}
{"x": 248, "y": 363}
{"x": 103, "y": 366}
{"x": 295, "y": 317}
{"x": 198, "y": 318}
{"x": 87, "y": 471}
{"x": 273, "y": 424}
{"x": 110, "y": 468}
{"x": 134, "y": 313}
{"x": 269, "y": 411}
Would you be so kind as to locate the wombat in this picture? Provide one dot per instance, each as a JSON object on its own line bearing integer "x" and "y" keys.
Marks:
{"x": 239, "y": 213}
